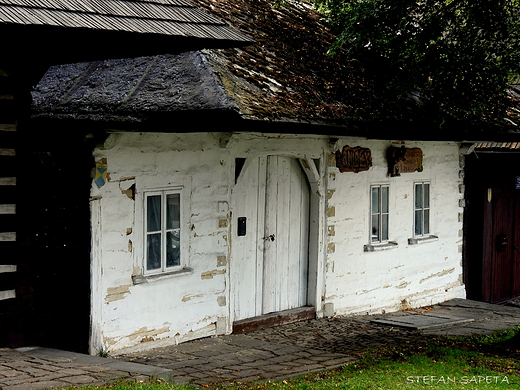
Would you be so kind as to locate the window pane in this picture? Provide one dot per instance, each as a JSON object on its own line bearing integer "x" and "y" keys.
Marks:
{"x": 426, "y": 195}
{"x": 384, "y": 227}
{"x": 375, "y": 227}
{"x": 418, "y": 196}
{"x": 418, "y": 222}
{"x": 173, "y": 248}
{"x": 153, "y": 253}
{"x": 384, "y": 199}
{"x": 426, "y": 222}
{"x": 173, "y": 211}
{"x": 375, "y": 200}
{"x": 153, "y": 213}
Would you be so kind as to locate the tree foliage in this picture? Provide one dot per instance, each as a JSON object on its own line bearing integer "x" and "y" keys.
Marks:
{"x": 460, "y": 55}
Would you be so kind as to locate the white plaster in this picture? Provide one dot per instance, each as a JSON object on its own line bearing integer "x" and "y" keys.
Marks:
{"x": 343, "y": 278}
{"x": 380, "y": 281}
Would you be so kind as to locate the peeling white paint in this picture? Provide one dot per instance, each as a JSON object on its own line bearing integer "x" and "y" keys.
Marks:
{"x": 195, "y": 304}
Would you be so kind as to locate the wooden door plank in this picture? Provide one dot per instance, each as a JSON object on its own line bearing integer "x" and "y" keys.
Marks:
{"x": 269, "y": 255}
{"x": 501, "y": 268}
{"x": 304, "y": 238}
{"x": 258, "y": 234}
{"x": 244, "y": 257}
{"x": 516, "y": 247}
{"x": 294, "y": 242}
{"x": 283, "y": 216}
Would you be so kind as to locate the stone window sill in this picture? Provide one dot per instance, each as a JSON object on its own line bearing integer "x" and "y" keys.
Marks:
{"x": 380, "y": 246}
{"x": 422, "y": 240}
{"x": 145, "y": 279}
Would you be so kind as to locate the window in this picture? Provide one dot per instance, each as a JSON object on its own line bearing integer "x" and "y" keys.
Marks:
{"x": 379, "y": 213}
{"x": 162, "y": 231}
{"x": 422, "y": 209}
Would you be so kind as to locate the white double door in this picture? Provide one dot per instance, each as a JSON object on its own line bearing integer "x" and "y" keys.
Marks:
{"x": 270, "y": 246}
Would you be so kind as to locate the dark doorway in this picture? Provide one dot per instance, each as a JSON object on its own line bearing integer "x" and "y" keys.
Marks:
{"x": 492, "y": 225}
{"x": 53, "y": 244}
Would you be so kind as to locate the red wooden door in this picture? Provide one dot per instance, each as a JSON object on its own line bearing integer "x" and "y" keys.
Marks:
{"x": 501, "y": 246}
{"x": 492, "y": 226}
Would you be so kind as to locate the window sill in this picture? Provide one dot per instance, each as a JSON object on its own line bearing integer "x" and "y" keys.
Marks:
{"x": 380, "y": 247}
{"x": 145, "y": 279}
{"x": 422, "y": 240}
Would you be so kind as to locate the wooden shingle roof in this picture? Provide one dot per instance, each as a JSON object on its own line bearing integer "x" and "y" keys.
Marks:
{"x": 163, "y": 17}
{"x": 285, "y": 77}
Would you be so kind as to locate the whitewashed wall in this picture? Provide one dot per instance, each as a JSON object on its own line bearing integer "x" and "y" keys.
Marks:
{"x": 343, "y": 278}
{"x": 192, "y": 304}
{"x": 407, "y": 276}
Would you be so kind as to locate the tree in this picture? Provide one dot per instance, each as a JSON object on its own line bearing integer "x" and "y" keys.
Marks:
{"x": 458, "y": 55}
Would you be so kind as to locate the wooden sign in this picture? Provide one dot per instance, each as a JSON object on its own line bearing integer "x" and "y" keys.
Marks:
{"x": 404, "y": 160}
{"x": 353, "y": 159}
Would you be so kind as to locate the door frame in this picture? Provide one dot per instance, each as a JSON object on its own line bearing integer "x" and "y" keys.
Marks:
{"x": 314, "y": 169}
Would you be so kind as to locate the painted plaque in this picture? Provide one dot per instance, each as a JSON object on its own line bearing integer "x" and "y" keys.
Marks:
{"x": 404, "y": 160}
{"x": 353, "y": 159}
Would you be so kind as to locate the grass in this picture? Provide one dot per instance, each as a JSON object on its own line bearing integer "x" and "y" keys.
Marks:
{"x": 480, "y": 362}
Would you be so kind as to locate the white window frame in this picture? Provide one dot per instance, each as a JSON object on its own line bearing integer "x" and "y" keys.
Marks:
{"x": 422, "y": 208}
{"x": 382, "y": 243}
{"x": 380, "y": 213}
{"x": 164, "y": 269}
{"x": 423, "y": 236}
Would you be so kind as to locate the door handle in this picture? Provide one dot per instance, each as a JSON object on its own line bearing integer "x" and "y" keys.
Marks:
{"x": 271, "y": 237}
{"x": 501, "y": 242}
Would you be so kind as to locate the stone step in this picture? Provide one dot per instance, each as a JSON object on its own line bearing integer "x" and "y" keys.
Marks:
{"x": 274, "y": 319}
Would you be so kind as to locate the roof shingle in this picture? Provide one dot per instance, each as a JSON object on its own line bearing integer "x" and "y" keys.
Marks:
{"x": 286, "y": 76}
{"x": 163, "y": 17}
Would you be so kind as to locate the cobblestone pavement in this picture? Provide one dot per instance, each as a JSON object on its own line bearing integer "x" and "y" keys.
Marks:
{"x": 313, "y": 345}
{"x": 273, "y": 353}
{"x": 43, "y": 368}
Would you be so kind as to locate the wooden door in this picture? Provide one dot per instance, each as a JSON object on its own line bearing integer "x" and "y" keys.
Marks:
{"x": 501, "y": 247}
{"x": 270, "y": 245}
{"x": 492, "y": 227}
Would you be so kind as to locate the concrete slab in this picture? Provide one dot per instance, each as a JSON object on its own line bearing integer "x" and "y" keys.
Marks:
{"x": 419, "y": 321}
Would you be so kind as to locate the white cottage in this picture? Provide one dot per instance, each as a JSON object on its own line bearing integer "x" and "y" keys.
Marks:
{"x": 192, "y": 235}
{"x": 243, "y": 187}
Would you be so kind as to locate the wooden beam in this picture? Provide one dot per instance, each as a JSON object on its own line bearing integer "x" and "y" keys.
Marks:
{"x": 7, "y": 181}
{"x": 7, "y": 268}
{"x": 8, "y": 236}
{"x": 7, "y": 127}
{"x": 7, "y": 209}
{"x": 8, "y": 294}
{"x": 7, "y": 152}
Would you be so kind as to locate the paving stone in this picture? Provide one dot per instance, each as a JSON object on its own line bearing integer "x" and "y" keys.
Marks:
{"x": 247, "y": 373}
{"x": 37, "y": 385}
{"x": 17, "y": 380}
{"x": 11, "y": 373}
{"x": 71, "y": 371}
{"x": 79, "y": 379}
